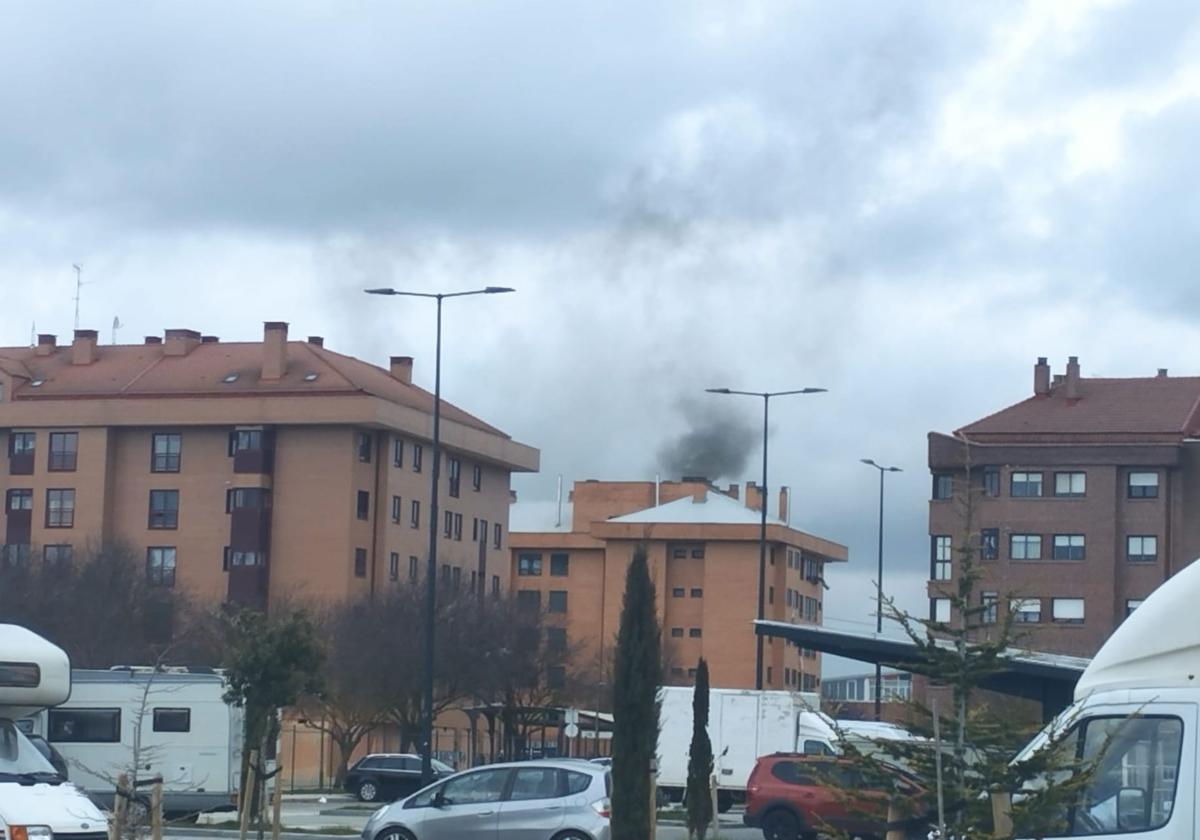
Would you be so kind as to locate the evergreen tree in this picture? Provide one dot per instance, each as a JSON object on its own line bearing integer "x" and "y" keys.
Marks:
{"x": 700, "y": 759}
{"x": 637, "y": 674}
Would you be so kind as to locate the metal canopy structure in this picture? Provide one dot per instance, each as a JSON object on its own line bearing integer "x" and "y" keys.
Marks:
{"x": 1046, "y": 678}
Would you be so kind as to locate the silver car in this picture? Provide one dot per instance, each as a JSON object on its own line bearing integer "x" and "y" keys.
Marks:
{"x": 528, "y": 800}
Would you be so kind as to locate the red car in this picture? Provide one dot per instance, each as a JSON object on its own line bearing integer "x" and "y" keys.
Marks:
{"x": 790, "y": 795}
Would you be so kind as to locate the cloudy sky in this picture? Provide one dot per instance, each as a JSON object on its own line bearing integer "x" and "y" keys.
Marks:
{"x": 905, "y": 203}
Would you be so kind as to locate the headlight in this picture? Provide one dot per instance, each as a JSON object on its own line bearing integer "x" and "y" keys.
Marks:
{"x": 377, "y": 814}
{"x": 31, "y": 832}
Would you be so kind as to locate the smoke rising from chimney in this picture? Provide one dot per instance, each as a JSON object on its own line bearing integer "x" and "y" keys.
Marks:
{"x": 717, "y": 444}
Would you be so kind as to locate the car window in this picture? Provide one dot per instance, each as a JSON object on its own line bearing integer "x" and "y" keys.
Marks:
{"x": 444, "y": 769}
{"x": 793, "y": 772}
{"x": 472, "y": 788}
{"x": 535, "y": 783}
{"x": 369, "y": 764}
{"x": 577, "y": 782}
{"x": 409, "y": 763}
{"x": 394, "y": 763}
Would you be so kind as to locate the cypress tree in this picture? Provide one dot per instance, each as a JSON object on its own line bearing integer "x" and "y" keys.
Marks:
{"x": 700, "y": 759}
{"x": 636, "y": 677}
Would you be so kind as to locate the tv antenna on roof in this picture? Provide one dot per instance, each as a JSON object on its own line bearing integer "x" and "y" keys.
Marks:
{"x": 116, "y": 326}
{"x": 78, "y": 286}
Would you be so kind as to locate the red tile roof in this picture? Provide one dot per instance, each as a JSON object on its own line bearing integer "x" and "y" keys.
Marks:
{"x": 144, "y": 370}
{"x": 1149, "y": 405}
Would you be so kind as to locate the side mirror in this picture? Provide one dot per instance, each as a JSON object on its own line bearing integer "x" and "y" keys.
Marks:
{"x": 1131, "y": 809}
{"x": 439, "y": 799}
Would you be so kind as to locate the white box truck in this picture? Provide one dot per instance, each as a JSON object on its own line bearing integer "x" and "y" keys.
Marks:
{"x": 742, "y": 725}
{"x": 35, "y": 803}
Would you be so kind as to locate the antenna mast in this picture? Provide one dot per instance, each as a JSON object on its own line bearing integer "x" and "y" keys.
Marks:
{"x": 78, "y": 288}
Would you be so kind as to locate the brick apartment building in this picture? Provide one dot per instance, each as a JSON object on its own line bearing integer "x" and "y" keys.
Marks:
{"x": 247, "y": 470}
{"x": 1083, "y": 500}
{"x": 703, "y": 548}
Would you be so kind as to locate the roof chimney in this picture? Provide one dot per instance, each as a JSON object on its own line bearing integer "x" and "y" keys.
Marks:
{"x": 274, "y": 363}
{"x": 180, "y": 342}
{"x": 401, "y": 368}
{"x": 733, "y": 492}
{"x": 83, "y": 348}
{"x": 1162, "y": 373}
{"x": 783, "y": 504}
{"x": 209, "y": 339}
{"x": 153, "y": 339}
{"x": 46, "y": 344}
{"x": 1041, "y": 377}
{"x": 316, "y": 341}
{"x": 1072, "y": 378}
{"x": 754, "y": 498}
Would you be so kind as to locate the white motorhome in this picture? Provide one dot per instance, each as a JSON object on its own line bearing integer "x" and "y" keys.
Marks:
{"x": 35, "y": 804}
{"x": 188, "y": 734}
{"x": 1136, "y": 706}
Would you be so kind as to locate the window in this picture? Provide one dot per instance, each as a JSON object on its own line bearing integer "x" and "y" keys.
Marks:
{"x": 447, "y": 524}
{"x": 990, "y": 602}
{"x": 172, "y": 720}
{"x": 414, "y": 516}
{"x": 20, "y": 500}
{"x": 1143, "y": 485}
{"x": 1070, "y": 484}
{"x": 363, "y": 445}
{"x": 556, "y": 639}
{"x": 393, "y": 566}
{"x": 164, "y": 452}
{"x": 1131, "y": 605}
{"x": 770, "y": 594}
{"x": 413, "y": 566}
{"x": 991, "y": 481}
{"x": 244, "y": 558}
{"x": 21, "y": 443}
{"x": 57, "y": 554}
{"x": 456, "y": 577}
{"x": 1066, "y": 610}
{"x": 495, "y": 586}
{"x": 678, "y": 592}
{"x": 529, "y": 599}
{"x": 398, "y": 452}
{"x": 676, "y": 632}
{"x": 1026, "y": 485}
{"x": 1025, "y": 547}
{"x": 60, "y": 508}
{"x": 694, "y": 633}
{"x": 245, "y": 440}
{"x": 360, "y": 562}
{"x": 677, "y": 553}
{"x": 455, "y": 476}
{"x": 559, "y": 564}
{"x": 397, "y": 509}
{"x": 942, "y": 558}
{"x": 497, "y": 532}
{"x": 418, "y": 453}
{"x": 474, "y": 788}
{"x": 458, "y": 520}
{"x": 164, "y": 509}
{"x": 160, "y": 565}
{"x": 943, "y": 486}
{"x": 20, "y": 675}
{"x": 63, "y": 448}
{"x": 939, "y": 610}
{"x": 1026, "y": 610}
{"x": 247, "y": 498}
{"x": 1141, "y": 549}
{"x": 1068, "y": 547}
{"x": 477, "y": 478}
{"x": 84, "y": 726}
{"x": 362, "y": 507}
{"x": 557, "y": 601}
{"x": 529, "y": 564}
{"x": 534, "y": 783}
{"x": 698, "y": 553}
{"x": 989, "y": 543}
{"x": 697, "y": 592}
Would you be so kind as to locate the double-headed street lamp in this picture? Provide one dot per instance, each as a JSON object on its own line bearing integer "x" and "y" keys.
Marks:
{"x": 879, "y": 584}
{"x": 762, "y": 533}
{"x": 431, "y": 564}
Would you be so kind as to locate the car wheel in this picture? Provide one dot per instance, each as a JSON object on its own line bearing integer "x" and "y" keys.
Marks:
{"x": 393, "y": 834}
{"x": 571, "y": 835}
{"x": 780, "y": 825}
{"x": 724, "y": 801}
{"x": 368, "y": 791}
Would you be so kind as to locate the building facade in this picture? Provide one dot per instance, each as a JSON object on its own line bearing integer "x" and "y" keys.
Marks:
{"x": 1076, "y": 500}
{"x": 246, "y": 471}
{"x": 703, "y": 549}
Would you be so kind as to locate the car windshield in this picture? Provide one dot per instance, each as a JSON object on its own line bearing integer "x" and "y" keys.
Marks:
{"x": 18, "y": 755}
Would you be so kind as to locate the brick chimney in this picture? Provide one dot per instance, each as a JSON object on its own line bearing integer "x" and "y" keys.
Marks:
{"x": 180, "y": 342}
{"x": 83, "y": 348}
{"x": 316, "y": 341}
{"x": 783, "y": 503}
{"x": 401, "y": 368}
{"x": 1072, "y": 380}
{"x": 1162, "y": 373}
{"x": 1041, "y": 377}
{"x": 46, "y": 344}
{"x": 209, "y": 339}
{"x": 153, "y": 339}
{"x": 753, "y": 496}
{"x": 274, "y": 362}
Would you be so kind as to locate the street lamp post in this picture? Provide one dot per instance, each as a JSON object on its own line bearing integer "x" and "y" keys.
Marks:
{"x": 431, "y": 563}
{"x": 762, "y": 531}
{"x": 879, "y": 585}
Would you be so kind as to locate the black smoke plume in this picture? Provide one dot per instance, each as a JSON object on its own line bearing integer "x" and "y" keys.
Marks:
{"x": 717, "y": 444}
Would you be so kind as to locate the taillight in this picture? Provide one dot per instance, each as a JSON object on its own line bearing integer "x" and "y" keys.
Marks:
{"x": 603, "y": 807}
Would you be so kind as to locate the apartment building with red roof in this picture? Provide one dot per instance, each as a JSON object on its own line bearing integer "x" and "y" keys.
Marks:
{"x": 1080, "y": 500}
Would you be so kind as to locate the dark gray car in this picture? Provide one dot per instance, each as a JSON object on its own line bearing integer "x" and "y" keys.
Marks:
{"x": 528, "y": 800}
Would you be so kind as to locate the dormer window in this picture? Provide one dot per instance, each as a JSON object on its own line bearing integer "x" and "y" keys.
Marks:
{"x": 230, "y": 377}
{"x": 37, "y": 383}
{"x": 310, "y": 377}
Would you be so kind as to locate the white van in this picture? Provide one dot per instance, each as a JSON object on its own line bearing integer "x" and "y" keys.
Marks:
{"x": 35, "y": 803}
{"x": 1137, "y": 706}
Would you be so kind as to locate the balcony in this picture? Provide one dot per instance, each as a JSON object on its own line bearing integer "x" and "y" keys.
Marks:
{"x": 248, "y": 586}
